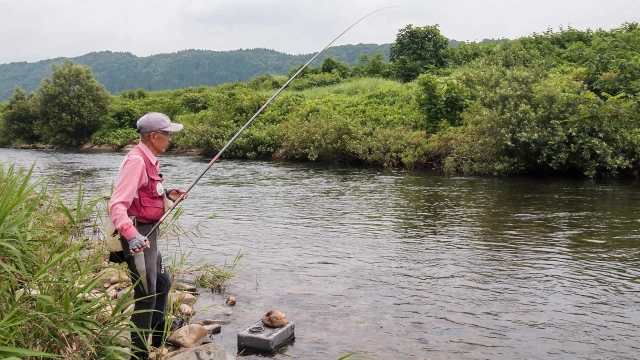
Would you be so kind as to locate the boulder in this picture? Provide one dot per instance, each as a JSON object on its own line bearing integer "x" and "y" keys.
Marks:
{"x": 189, "y": 336}
{"x": 210, "y": 351}
{"x": 231, "y": 301}
{"x": 213, "y": 329}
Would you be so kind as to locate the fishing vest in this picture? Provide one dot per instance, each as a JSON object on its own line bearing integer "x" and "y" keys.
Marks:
{"x": 148, "y": 207}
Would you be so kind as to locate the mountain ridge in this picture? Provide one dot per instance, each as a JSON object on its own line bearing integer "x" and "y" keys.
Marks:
{"x": 119, "y": 71}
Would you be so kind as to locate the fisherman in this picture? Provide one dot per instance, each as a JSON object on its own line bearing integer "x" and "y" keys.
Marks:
{"x": 138, "y": 202}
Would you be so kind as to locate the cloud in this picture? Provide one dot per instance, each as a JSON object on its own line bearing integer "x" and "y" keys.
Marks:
{"x": 42, "y": 29}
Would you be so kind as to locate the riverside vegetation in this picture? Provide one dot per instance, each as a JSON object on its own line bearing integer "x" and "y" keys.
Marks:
{"x": 52, "y": 270}
{"x": 558, "y": 102}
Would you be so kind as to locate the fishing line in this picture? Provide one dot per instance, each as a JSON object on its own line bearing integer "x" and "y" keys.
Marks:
{"x": 215, "y": 158}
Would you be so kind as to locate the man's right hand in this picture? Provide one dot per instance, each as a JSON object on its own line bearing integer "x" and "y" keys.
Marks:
{"x": 138, "y": 243}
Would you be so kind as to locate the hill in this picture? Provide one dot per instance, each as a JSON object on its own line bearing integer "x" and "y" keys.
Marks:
{"x": 124, "y": 71}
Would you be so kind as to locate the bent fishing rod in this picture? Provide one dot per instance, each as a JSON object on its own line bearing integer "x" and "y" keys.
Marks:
{"x": 215, "y": 158}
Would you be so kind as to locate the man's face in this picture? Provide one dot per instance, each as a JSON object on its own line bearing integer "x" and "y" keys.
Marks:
{"x": 160, "y": 140}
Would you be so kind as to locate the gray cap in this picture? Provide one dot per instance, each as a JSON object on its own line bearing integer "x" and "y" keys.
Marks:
{"x": 155, "y": 121}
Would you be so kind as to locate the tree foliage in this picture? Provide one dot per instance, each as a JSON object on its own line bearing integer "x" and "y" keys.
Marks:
{"x": 558, "y": 102}
{"x": 416, "y": 50}
{"x": 72, "y": 105}
{"x": 18, "y": 116}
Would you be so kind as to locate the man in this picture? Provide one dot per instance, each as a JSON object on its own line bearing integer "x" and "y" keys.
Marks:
{"x": 137, "y": 203}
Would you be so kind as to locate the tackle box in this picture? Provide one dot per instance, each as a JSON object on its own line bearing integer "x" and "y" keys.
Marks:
{"x": 263, "y": 338}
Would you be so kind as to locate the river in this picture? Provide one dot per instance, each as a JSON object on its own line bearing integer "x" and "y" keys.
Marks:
{"x": 400, "y": 264}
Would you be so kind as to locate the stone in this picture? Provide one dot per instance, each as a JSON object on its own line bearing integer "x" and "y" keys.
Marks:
{"x": 189, "y": 336}
{"x": 274, "y": 319}
{"x": 217, "y": 322}
{"x": 182, "y": 298}
{"x": 211, "y": 351}
{"x": 114, "y": 280}
{"x": 122, "y": 293}
{"x": 112, "y": 294}
{"x": 231, "y": 301}
{"x": 213, "y": 329}
{"x": 186, "y": 310}
{"x": 185, "y": 287}
{"x": 108, "y": 274}
{"x": 104, "y": 316}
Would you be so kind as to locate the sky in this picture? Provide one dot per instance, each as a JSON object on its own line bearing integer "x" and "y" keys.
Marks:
{"x": 33, "y": 30}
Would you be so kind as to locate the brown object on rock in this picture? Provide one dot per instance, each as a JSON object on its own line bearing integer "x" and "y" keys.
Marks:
{"x": 274, "y": 319}
{"x": 231, "y": 301}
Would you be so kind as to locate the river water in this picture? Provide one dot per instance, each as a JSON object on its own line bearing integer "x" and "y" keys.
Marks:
{"x": 404, "y": 265}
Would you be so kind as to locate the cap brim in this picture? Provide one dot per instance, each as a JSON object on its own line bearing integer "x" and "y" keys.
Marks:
{"x": 173, "y": 128}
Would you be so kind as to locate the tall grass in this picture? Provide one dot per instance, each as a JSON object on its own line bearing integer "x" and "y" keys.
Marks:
{"x": 216, "y": 278}
{"x": 51, "y": 303}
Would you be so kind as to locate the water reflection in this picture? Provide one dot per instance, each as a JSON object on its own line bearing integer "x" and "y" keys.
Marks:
{"x": 404, "y": 265}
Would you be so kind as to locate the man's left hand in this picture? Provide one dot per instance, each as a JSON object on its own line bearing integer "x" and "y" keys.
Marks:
{"x": 174, "y": 194}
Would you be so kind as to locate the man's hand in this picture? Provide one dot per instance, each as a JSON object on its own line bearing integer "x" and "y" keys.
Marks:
{"x": 174, "y": 194}
{"x": 138, "y": 243}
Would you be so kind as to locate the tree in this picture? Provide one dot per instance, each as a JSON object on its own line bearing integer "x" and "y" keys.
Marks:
{"x": 374, "y": 65}
{"x": 330, "y": 65}
{"x": 416, "y": 50}
{"x": 18, "y": 116}
{"x": 72, "y": 105}
{"x": 441, "y": 99}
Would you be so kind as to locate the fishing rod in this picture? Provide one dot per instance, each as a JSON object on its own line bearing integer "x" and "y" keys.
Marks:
{"x": 215, "y": 158}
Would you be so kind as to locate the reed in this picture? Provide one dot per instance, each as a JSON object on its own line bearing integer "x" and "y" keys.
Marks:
{"x": 216, "y": 278}
{"x": 52, "y": 305}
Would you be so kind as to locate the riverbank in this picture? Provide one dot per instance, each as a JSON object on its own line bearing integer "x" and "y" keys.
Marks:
{"x": 98, "y": 148}
{"x": 59, "y": 296}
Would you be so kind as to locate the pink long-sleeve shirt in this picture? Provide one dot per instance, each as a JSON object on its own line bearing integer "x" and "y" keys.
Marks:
{"x": 132, "y": 177}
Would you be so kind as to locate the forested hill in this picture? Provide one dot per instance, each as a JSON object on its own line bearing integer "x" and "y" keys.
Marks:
{"x": 124, "y": 71}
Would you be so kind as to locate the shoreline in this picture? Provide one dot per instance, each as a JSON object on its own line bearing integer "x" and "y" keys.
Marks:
{"x": 90, "y": 147}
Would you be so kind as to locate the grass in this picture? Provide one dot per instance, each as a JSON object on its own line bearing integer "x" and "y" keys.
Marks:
{"x": 354, "y": 87}
{"x": 216, "y": 278}
{"x": 51, "y": 303}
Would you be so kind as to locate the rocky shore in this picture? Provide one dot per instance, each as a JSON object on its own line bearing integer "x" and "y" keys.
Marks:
{"x": 188, "y": 341}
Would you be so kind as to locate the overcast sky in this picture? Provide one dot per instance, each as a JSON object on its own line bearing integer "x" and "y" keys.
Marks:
{"x": 32, "y": 30}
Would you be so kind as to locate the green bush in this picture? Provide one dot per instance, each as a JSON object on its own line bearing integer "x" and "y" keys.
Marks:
{"x": 51, "y": 302}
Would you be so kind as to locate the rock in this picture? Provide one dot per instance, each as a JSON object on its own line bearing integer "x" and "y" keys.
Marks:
{"x": 113, "y": 294}
{"x": 129, "y": 309}
{"x": 231, "y": 301}
{"x": 182, "y": 298}
{"x": 185, "y": 287}
{"x": 210, "y": 351}
{"x": 105, "y": 314}
{"x": 213, "y": 329}
{"x": 122, "y": 293}
{"x": 217, "y": 322}
{"x": 274, "y": 319}
{"x": 189, "y": 336}
{"x": 186, "y": 310}
{"x": 162, "y": 352}
{"x": 107, "y": 275}
{"x": 114, "y": 280}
